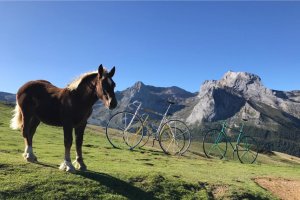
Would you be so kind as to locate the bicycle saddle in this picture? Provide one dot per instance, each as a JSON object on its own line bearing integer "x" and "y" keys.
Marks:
{"x": 245, "y": 120}
{"x": 171, "y": 102}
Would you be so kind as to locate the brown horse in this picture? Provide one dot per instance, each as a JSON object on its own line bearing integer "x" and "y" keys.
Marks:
{"x": 40, "y": 101}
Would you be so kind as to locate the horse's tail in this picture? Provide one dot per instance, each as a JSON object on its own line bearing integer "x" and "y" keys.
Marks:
{"x": 17, "y": 121}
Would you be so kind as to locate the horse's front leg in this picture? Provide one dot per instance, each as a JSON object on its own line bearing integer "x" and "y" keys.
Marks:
{"x": 79, "y": 131}
{"x": 68, "y": 139}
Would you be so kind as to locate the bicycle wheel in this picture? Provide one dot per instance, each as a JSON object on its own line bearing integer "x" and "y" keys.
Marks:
{"x": 174, "y": 137}
{"x": 247, "y": 150}
{"x": 214, "y": 144}
{"x": 124, "y": 130}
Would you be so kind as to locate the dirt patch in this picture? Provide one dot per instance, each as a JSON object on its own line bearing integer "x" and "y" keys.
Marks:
{"x": 283, "y": 188}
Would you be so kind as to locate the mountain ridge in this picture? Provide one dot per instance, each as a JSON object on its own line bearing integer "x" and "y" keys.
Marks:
{"x": 216, "y": 99}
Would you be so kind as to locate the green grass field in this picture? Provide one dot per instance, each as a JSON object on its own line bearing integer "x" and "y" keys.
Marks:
{"x": 122, "y": 174}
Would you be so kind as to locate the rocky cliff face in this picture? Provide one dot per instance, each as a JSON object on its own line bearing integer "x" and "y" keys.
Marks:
{"x": 242, "y": 95}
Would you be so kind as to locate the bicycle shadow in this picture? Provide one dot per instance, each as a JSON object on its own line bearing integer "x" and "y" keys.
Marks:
{"x": 116, "y": 185}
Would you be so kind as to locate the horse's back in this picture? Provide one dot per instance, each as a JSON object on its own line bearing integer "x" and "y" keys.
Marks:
{"x": 39, "y": 88}
{"x": 42, "y": 99}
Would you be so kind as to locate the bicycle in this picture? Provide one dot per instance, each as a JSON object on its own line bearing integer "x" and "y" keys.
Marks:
{"x": 215, "y": 144}
{"x": 173, "y": 135}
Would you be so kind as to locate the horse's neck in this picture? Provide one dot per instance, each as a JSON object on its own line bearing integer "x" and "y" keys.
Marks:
{"x": 86, "y": 92}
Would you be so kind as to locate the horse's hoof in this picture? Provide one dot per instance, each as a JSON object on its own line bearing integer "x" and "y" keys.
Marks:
{"x": 29, "y": 157}
{"x": 67, "y": 166}
{"x": 80, "y": 165}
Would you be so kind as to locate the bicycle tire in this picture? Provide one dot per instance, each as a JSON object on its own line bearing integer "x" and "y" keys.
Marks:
{"x": 124, "y": 130}
{"x": 214, "y": 144}
{"x": 247, "y": 150}
{"x": 174, "y": 137}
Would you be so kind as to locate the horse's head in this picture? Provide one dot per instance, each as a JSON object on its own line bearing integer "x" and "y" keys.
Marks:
{"x": 105, "y": 87}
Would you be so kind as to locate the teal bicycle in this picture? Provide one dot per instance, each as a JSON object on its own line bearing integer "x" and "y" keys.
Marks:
{"x": 215, "y": 144}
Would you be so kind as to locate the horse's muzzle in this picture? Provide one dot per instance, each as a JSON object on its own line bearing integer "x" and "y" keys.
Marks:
{"x": 113, "y": 104}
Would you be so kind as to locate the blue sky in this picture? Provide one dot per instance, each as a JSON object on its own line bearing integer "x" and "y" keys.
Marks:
{"x": 159, "y": 43}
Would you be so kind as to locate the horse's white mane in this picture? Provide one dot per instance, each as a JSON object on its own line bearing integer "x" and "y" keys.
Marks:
{"x": 76, "y": 82}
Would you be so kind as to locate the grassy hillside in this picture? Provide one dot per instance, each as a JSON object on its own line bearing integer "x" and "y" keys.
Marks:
{"x": 121, "y": 174}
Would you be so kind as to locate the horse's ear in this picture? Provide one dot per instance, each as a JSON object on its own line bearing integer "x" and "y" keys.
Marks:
{"x": 100, "y": 71}
{"x": 112, "y": 72}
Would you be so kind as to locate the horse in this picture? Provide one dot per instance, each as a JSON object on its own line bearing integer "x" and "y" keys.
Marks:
{"x": 70, "y": 107}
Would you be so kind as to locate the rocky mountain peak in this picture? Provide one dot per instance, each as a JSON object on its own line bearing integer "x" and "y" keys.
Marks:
{"x": 240, "y": 81}
{"x": 138, "y": 85}
{"x": 227, "y": 97}
{"x": 207, "y": 86}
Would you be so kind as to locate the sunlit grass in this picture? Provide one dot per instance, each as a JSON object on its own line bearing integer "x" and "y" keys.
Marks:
{"x": 144, "y": 173}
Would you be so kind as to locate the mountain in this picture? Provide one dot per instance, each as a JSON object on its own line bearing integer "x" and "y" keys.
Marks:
{"x": 7, "y": 97}
{"x": 153, "y": 98}
{"x": 235, "y": 96}
{"x": 242, "y": 95}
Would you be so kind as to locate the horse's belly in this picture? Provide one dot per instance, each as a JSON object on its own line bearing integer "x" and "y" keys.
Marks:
{"x": 51, "y": 122}
{"x": 50, "y": 117}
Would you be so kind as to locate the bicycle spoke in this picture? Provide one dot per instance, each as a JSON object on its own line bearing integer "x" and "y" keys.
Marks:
{"x": 181, "y": 134}
{"x": 124, "y": 130}
{"x": 220, "y": 150}
{"x": 211, "y": 148}
{"x": 177, "y": 145}
{"x": 247, "y": 150}
{"x": 169, "y": 145}
{"x": 243, "y": 154}
{"x": 214, "y": 144}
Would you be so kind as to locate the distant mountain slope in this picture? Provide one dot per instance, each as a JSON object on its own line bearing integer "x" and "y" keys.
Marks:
{"x": 7, "y": 97}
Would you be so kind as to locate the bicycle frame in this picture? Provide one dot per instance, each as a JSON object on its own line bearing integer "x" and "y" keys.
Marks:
{"x": 138, "y": 105}
{"x": 135, "y": 114}
{"x": 227, "y": 138}
{"x": 162, "y": 121}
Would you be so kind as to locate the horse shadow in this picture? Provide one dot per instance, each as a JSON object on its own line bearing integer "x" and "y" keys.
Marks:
{"x": 116, "y": 185}
{"x": 43, "y": 164}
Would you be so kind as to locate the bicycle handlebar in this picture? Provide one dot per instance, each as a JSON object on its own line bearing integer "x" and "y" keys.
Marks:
{"x": 225, "y": 125}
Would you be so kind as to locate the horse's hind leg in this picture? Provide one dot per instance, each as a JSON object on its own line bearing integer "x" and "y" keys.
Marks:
{"x": 79, "y": 131}
{"x": 29, "y": 128}
{"x": 68, "y": 139}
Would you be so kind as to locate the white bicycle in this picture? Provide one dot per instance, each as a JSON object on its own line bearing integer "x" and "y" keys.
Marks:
{"x": 129, "y": 129}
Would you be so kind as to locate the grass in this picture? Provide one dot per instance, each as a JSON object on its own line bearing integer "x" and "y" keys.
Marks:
{"x": 122, "y": 174}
